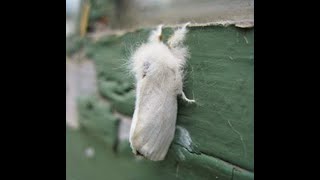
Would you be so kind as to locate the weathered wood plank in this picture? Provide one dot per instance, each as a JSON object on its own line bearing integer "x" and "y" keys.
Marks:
{"x": 219, "y": 77}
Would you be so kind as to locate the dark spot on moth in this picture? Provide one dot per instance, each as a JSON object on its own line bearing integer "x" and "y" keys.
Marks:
{"x": 146, "y": 66}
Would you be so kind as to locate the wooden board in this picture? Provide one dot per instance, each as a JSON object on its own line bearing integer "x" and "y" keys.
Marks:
{"x": 220, "y": 78}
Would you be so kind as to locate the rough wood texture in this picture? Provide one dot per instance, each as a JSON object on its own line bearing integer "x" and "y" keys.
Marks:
{"x": 219, "y": 77}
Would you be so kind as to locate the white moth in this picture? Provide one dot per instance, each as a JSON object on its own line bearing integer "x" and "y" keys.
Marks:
{"x": 158, "y": 70}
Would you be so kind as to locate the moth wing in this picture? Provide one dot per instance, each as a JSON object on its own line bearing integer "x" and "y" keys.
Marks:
{"x": 154, "y": 119}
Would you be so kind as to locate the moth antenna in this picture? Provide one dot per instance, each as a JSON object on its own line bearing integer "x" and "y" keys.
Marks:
{"x": 186, "y": 25}
{"x": 156, "y": 35}
{"x": 178, "y": 36}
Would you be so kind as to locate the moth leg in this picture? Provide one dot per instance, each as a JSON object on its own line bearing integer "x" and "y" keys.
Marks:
{"x": 178, "y": 36}
{"x": 186, "y": 99}
{"x": 179, "y": 86}
{"x": 156, "y": 35}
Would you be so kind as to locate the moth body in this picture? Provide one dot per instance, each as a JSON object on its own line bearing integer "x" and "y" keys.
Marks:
{"x": 158, "y": 70}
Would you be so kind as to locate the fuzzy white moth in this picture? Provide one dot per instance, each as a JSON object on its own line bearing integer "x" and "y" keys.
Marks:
{"x": 158, "y": 69}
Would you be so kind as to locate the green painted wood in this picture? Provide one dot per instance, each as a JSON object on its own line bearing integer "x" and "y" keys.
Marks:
{"x": 239, "y": 174}
{"x": 219, "y": 77}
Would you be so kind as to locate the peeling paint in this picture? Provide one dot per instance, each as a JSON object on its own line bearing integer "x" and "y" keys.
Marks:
{"x": 246, "y": 23}
{"x": 182, "y": 138}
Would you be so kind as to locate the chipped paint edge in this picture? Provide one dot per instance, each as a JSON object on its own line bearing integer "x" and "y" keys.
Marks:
{"x": 242, "y": 24}
{"x": 248, "y": 23}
